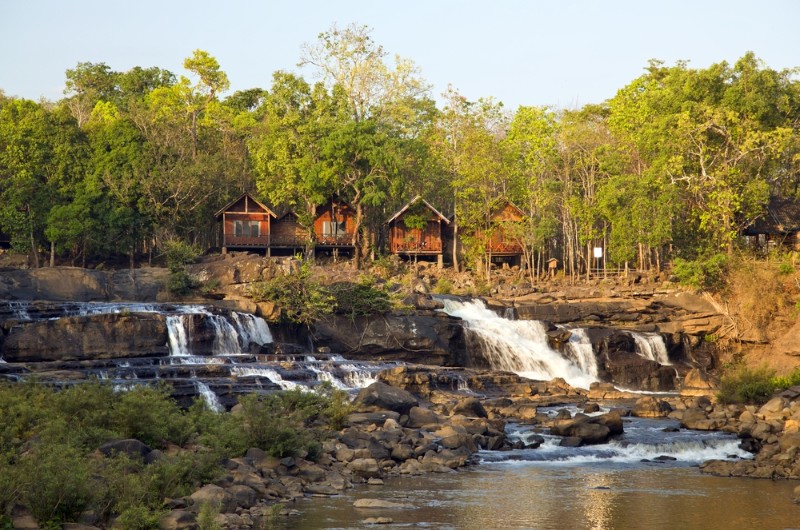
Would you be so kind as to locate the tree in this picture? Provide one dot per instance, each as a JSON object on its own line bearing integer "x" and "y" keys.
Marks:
{"x": 42, "y": 154}
{"x": 383, "y": 103}
{"x": 532, "y": 149}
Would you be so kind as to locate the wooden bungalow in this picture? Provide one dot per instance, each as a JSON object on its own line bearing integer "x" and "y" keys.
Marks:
{"x": 779, "y": 226}
{"x": 288, "y": 235}
{"x": 334, "y": 225}
{"x": 502, "y": 242}
{"x": 415, "y": 241}
{"x": 245, "y": 224}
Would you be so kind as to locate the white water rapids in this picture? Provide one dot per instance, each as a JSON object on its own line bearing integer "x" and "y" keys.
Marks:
{"x": 521, "y": 345}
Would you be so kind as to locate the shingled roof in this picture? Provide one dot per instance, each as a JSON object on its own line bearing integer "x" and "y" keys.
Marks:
{"x": 782, "y": 217}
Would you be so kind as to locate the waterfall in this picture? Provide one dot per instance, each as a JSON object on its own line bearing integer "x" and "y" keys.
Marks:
{"x": 651, "y": 346}
{"x": 226, "y": 340}
{"x": 209, "y": 397}
{"x": 580, "y": 350}
{"x": 269, "y": 373}
{"x": 252, "y": 329}
{"x": 516, "y": 345}
{"x": 322, "y": 375}
{"x": 20, "y": 310}
{"x": 357, "y": 378}
{"x": 177, "y": 336}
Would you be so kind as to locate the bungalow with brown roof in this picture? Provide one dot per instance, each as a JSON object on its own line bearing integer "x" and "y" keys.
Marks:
{"x": 245, "y": 224}
{"x": 778, "y": 226}
{"x": 416, "y": 230}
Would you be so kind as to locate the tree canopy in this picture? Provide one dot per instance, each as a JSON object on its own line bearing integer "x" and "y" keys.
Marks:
{"x": 676, "y": 164}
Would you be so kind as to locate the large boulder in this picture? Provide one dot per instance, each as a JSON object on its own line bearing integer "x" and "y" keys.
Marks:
{"x": 380, "y": 396}
{"x": 650, "y": 407}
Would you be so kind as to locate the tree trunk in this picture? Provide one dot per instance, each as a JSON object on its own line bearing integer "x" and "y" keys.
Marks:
{"x": 52, "y": 254}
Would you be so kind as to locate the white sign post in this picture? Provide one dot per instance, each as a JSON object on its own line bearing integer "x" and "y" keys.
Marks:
{"x": 598, "y": 254}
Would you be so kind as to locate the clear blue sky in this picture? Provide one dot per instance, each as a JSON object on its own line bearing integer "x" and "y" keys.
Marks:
{"x": 557, "y": 52}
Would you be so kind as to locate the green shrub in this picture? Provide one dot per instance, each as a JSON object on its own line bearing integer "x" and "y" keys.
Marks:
{"x": 744, "y": 385}
{"x": 178, "y": 254}
{"x": 360, "y": 299}
{"x": 180, "y": 282}
{"x": 54, "y": 482}
{"x": 301, "y": 299}
{"x": 206, "y": 517}
{"x": 139, "y": 518}
{"x": 785, "y": 268}
{"x": 708, "y": 273}
{"x": 150, "y": 415}
{"x": 443, "y": 286}
{"x": 787, "y": 381}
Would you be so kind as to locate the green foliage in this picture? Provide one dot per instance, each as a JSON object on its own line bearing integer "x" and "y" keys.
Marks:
{"x": 443, "y": 286}
{"x": 787, "y": 381}
{"x": 740, "y": 384}
{"x": 48, "y": 436}
{"x": 55, "y": 483}
{"x": 301, "y": 298}
{"x": 364, "y": 298}
{"x": 280, "y": 423}
{"x": 180, "y": 282}
{"x": 178, "y": 254}
{"x": 786, "y": 268}
{"x": 206, "y": 517}
{"x": 702, "y": 273}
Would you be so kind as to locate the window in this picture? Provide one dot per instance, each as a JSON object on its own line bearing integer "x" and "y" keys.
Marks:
{"x": 332, "y": 229}
{"x": 246, "y": 228}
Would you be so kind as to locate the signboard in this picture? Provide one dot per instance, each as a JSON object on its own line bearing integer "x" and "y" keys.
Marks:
{"x": 598, "y": 252}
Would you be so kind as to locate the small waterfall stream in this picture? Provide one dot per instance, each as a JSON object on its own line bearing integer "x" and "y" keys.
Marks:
{"x": 651, "y": 346}
{"x": 521, "y": 345}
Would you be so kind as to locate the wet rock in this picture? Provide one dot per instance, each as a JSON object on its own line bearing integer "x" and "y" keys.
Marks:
{"x": 87, "y": 338}
{"x": 380, "y": 396}
{"x": 380, "y": 504}
{"x": 471, "y": 407}
{"x": 378, "y": 520}
{"x": 365, "y": 467}
{"x": 650, "y": 407}
{"x": 590, "y": 408}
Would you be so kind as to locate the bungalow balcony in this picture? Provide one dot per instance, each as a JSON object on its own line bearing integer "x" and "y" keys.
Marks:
{"x": 503, "y": 247}
{"x": 337, "y": 240}
{"x": 247, "y": 241}
{"x": 417, "y": 247}
{"x": 289, "y": 241}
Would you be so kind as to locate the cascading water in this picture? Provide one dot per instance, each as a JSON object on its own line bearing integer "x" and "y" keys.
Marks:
{"x": 581, "y": 351}
{"x": 252, "y": 328}
{"x": 651, "y": 346}
{"x": 177, "y": 336}
{"x": 209, "y": 397}
{"x": 518, "y": 345}
{"x": 269, "y": 373}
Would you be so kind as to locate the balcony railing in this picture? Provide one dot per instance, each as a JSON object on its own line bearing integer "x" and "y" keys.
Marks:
{"x": 504, "y": 247}
{"x": 289, "y": 241}
{"x": 339, "y": 240}
{"x": 417, "y": 246}
{"x": 247, "y": 241}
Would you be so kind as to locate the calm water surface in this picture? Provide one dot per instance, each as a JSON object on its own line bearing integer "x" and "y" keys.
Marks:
{"x": 610, "y": 486}
{"x": 527, "y": 495}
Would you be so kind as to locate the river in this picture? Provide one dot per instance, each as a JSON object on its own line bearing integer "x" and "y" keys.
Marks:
{"x": 622, "y": 485}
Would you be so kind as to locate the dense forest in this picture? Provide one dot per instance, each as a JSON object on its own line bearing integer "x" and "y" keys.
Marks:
{"x": 674, "y": 165}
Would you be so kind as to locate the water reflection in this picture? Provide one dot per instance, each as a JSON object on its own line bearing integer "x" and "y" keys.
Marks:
{"x": 526, "y": 496}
